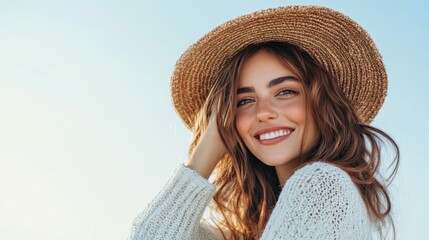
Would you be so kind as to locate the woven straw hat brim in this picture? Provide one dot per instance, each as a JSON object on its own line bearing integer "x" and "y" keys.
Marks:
{"x": 334, "y": 40}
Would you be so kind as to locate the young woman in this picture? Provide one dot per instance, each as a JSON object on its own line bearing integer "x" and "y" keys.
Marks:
{"x": 279, "y": 102}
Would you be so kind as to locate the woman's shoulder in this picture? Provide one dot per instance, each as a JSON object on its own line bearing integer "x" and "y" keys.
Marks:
{"x": 324, "y": 180}
{"x": 321, "y": 171}
{"x": 319, "y": 166}
{"x": 325, "y": 194}
{"x": 320, "y": 201}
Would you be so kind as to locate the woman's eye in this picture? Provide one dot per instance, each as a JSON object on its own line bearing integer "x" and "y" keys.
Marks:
{"x": 286, "y": 92}
{"x": 244, "y": 102}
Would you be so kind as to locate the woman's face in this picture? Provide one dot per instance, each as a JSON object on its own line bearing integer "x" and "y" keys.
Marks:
{"x": 271, "y": 111}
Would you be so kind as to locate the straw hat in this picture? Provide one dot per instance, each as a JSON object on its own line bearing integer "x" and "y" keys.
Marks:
{"x": 331, "y": 38}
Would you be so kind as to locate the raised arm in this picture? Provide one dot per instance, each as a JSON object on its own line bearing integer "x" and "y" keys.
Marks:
{"x": 176, "y": 212}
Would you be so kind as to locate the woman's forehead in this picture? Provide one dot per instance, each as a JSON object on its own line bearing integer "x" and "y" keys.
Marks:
{"x": 261, "y": 68}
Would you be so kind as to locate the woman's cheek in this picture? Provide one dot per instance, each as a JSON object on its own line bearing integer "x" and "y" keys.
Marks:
{"x": 243, "y": 122}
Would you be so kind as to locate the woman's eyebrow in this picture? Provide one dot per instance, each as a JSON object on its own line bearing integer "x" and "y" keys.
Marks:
{"x": 279, "y": 80}
{"x": 245, "y": 90}
{"x": 272, "y": 83}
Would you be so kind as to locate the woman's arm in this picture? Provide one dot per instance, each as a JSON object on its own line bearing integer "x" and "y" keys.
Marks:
{"x": 208, "y": 152}
{"x": 176, "y": 212}
{"x": 319, "y": 201}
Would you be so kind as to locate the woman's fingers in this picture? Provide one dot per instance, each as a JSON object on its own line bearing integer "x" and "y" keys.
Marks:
{"x": 209, "y": 150}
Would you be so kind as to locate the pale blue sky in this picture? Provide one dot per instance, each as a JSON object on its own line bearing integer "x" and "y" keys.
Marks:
{"x": 87, "y": 131}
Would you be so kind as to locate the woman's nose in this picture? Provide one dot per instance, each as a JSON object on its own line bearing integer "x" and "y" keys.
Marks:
{"x": 265, "y": 111}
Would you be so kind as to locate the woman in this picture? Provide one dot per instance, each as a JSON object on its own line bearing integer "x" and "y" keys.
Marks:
{"x": 279, "y": 102}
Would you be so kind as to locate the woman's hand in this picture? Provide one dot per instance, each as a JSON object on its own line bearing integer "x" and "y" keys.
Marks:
{"x": 208, "y": 152}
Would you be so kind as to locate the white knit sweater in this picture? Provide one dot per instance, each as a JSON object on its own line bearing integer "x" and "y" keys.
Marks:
{"x": 319, "y": 201}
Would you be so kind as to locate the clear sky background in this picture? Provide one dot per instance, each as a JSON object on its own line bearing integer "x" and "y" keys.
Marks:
{"x": 88, "y": 134}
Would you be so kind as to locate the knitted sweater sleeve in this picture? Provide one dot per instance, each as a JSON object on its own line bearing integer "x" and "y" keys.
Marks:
{"x": 176, "y": 211}
{"x": 319, "y": 201}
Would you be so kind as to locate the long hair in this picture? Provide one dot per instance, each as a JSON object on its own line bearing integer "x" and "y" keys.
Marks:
{"x": 247, "y": 189}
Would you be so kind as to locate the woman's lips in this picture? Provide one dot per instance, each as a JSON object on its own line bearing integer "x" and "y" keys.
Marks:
{"x": 273, "y": 135}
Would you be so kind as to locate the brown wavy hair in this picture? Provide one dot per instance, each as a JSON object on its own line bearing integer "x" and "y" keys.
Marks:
{"x": 247, "y": 189}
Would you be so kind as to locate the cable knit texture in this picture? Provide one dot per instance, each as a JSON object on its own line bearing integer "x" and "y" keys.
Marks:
{"x": 319, "y": 201}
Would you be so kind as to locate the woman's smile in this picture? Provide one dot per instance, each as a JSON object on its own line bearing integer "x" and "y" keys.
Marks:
{"x": 273, "y": 135}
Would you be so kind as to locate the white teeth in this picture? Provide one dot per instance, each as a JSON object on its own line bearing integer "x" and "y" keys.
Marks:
{"x": 275, "y": 134}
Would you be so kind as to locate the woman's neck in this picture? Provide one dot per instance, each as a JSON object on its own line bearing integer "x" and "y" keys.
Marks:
{"x": 285, "y": 171}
